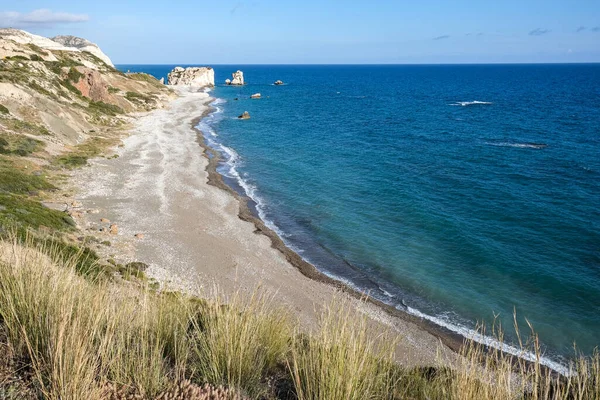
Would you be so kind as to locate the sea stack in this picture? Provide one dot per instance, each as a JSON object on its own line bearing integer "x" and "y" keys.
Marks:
{"x": 193, "y": 76}
{"x": 238, "y": 78}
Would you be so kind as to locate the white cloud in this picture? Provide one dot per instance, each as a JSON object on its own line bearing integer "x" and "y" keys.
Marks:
{"x": 39, "y": 17}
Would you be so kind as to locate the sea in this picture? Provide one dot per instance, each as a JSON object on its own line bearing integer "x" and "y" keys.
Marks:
{"x": 463, "y": 194}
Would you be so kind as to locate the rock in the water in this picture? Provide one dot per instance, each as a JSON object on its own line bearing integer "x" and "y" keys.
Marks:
{"x": 238, "y": 78}
{"x": 255, "y": 96}
{"x": 278, "y": 82}
{"x": 193, "y": 76}
{"x": 245, "y": 115}
{"x": 228, "y": 81}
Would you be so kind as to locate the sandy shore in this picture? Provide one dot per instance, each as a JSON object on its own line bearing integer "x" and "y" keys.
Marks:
{"x": 194, "y": 237}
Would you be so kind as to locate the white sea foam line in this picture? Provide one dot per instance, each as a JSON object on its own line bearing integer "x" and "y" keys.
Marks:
{"x": 470, "y": 103}
{"x": 490, "y": 341}
{"x": 251, "y": 191}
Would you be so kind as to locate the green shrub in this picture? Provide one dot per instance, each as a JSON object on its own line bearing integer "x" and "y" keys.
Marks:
{"x": 13, "y": 180}
{"x": 35, "y": 57}
{"x": 22, "y": 212}
{"x": 105, "y": 108}
{"x": 19, "y": 145}
{"x": 37, "y": 49}
{"x": 74, "y": 75}
{"x": 4, "y": 110}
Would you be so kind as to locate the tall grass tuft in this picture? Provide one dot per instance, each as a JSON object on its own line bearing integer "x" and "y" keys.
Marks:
{"x": 237, "y": 341}
{"x": 342, "y": 360}
{"x": 51, "y": 317}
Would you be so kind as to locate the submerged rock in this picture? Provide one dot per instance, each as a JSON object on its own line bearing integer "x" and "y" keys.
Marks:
{"x": 238, "y": 78}
{"x": 245, "y": 115}
{"x": 255, "y": 96}
{"x": 193, "y": 76}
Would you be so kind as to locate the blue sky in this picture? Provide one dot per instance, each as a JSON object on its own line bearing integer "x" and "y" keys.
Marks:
{"x": 325, "y": 31}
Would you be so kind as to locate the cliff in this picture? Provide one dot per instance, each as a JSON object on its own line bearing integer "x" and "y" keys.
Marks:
{"x": 193, "y": 76}
{"x": 83, "y": 45}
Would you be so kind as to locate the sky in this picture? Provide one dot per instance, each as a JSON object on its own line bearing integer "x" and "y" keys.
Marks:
{"x": 321, "y": 31}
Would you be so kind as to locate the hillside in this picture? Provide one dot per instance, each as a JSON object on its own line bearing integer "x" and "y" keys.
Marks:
{"x": 59, "y": 105}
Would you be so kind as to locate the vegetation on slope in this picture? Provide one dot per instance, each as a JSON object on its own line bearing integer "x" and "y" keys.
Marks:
{"x": 70, "y": 336}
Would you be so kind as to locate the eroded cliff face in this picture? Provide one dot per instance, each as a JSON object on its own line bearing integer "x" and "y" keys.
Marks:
{"x": 83, "y": 45}
{"x": 62, "y": 96}
{"x": 193, "y": 76}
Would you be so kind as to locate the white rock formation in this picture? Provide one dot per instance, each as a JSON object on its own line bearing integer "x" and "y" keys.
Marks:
{"x": 255, "y": 96}
{"x": 228, "y": 81}
{"x": 59, "y": 43}
{"x": 238, "y": 78}
{"x": 193, "y": 76}
{"x": 83, "y": 45}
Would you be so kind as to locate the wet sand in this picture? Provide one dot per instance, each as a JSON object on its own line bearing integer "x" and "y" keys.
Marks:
{"x": 198, "y": 233}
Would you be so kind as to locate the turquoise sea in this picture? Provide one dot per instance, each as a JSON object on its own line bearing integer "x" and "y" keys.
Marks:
{"x": 459, "y": 192}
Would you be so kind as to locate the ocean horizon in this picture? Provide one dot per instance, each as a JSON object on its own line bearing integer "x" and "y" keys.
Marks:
{"x": 458, "y": 193}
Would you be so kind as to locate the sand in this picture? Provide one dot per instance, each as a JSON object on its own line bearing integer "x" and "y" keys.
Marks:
{"x": 193, "y": 237}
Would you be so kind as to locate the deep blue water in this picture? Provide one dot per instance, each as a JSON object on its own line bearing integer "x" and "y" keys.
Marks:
{"x": 465, "y": 191}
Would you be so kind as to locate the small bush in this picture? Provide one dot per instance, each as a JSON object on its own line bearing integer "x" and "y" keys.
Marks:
{"x": 4, "y": 110}
{"x": 35, "y": 57}
{"x": 74, "y": 76}
{"x": 105, "y": 108}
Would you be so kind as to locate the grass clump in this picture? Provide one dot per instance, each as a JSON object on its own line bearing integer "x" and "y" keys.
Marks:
{"x": 15, "y": 181}
{"x": 342, "y": 360}
{"x": 19, "y": 145}
{"x": 105, "y": 108}
{"x": 239, "y": 343}
{"x": 37, "y": 49}
{"x": 81, "y": 153}
{"x": 19, "y": 126}
{"x": 4, "y": 110}
{"x": 23, "y": 212}
{"x": 38, "y": 88}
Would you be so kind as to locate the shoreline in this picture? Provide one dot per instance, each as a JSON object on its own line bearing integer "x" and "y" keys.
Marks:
{"x": 197, "y": 236}
{"x": 450, "y": 339}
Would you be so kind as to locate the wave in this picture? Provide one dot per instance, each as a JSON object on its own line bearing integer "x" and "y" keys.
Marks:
{"x": 230, "y": 164}
{"x": 471, "y": 103}
{"x": 519, "y": 145}
{"x": 490, "y": 341}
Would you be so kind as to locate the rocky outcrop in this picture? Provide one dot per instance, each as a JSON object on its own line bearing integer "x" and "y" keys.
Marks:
{"x": 193, "y": 76}
{"x": 81, "y": 44}
{"x": 245, "y": 115}
{"x": 92, "y": 85}
{"x": 255, "y": 96}
{"x": 238, "y": 78}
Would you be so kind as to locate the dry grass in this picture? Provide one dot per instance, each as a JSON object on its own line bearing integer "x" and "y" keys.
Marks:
{"x": 342, "y": 361}
{"x": 76, "y": 338}
{"x": 239, "y": 343}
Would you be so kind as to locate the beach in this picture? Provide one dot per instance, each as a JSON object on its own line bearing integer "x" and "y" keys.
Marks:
{"x": 193, "y": 238}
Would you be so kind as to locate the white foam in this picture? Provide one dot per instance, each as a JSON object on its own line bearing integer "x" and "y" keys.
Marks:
{"x": 233, "y": 160}
{"x": 471, "y": 103}
{"x": 519, "y": 145}
{"x": 490, "y": 341}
